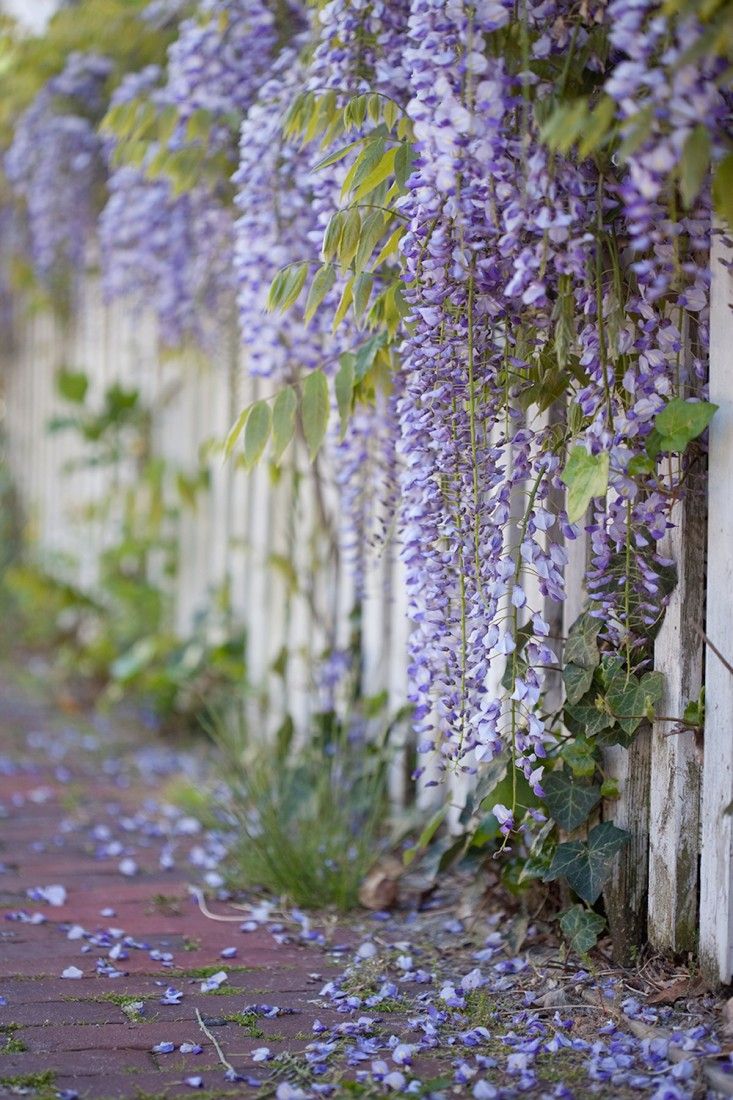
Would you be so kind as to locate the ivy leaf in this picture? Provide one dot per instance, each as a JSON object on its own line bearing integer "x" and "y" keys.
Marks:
{"x": 581, "y": 647}
{"x": 679, "y": 422}
{"x": 581, "y": 928}
{"x": 580, "y": 757}
{"x": 315, "y": 410}
{"x": 586, "y": 476}
{"x": 694, "y": 712}
{"x": 569, "y": 802}
{"x": 587, "y": 718}
{"x": 577, "y": 681}
{"x": 283, "y": 421}
{"x": 632, "y": 699}
{"x": 694, "y": 164}
{"x": 344, "y": 386}
{"x": 610, "y": 788}
{"x": 586, "y": 864}
{"x": 256, "y": 433}
{"x": 324, "y": 279}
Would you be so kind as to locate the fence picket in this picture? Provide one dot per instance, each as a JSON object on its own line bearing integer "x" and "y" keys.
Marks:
{"x": 716, "y": 868}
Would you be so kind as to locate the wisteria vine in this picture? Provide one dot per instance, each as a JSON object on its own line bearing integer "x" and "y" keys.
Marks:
{"x": 523, "y": 361}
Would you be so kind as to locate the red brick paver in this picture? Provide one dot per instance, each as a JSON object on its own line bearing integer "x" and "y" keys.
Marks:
{"x": 60, "y": 804}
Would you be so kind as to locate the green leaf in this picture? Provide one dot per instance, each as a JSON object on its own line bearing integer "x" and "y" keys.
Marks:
{"x": 640, "y": 465}
{"x": 390, "y": 247}
{"x": 577, "y": 681}
{"x": 367, "y": 159}
{"x": 565, "y": 125}
{"x": 283, "y": 421}
{"x": 632, "y": 699}
{"x": 597, "y": 127}
{"x": 694, "y": 712}
{"x": 350, "y": 236}
{"x": 694, "y": 164}
{"x": 256, "y": 433}
{"x": 344, "y": 386}
{"x": 335, "y": 157}
{"x": 586, "y": 476}
{"x": 610, "y": 789}
{"x": 637, "y": 129}
{"x": 390, "y": 113}
{"x": 587, "y": 864}
{"x": 294, "y": 283}
{"x": 581, "y": 647}
{"x": 403, "y": 163}
{"x": 347, "y": 297}
{"x": 579, "y": 755}
{"x": 426, "y": 835}
{"x": 332, "y": 236}
{"x": 587, "y": 718}
{"x": 723, "y": 189}
{"x": 380, "y": 172}
{"x": 72, "y": 385}
{"x": 315, "y": 411}
{"x": 323, "y": 281}
{"x": 371, "y": 231}
{"x": 286, "y": 286}
{"x": 235, "y": 431}
{"x": 367, "y": 353}
{"x": 363, "y": 284}
{"x": 569, "y": 802}
{"x": 581, "y": 927}
{"x": 679, "y": 422}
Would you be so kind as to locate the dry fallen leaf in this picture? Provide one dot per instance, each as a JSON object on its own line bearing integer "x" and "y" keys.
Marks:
{"x": 379, "y": 888}
{"x": 673, "y": 991}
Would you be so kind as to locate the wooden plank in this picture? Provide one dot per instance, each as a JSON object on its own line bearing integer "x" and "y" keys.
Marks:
{"x": 716, "y": 870}
{"x": 677, "y": 756}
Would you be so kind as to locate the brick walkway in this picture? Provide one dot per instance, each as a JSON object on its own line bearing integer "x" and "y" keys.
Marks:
{"x": 74, "y": 811}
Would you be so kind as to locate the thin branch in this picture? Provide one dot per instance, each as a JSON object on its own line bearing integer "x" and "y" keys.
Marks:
{"x": 220, "y": 1053}
{"x": 198, "y": 894}
{"x": 714, "y": 648}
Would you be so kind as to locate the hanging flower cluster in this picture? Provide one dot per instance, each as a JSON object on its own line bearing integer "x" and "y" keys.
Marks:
{"x": 169, "y": 246}
{"x": 166, "y": 251}
{"x": 55, "y": 163}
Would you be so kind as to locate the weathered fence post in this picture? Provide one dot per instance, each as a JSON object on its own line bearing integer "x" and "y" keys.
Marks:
{"x": 676, "y": 760}
{"x": 716, "y": 869}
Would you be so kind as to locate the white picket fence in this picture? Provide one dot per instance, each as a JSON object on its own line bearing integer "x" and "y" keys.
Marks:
{"x": 245, "y": 529}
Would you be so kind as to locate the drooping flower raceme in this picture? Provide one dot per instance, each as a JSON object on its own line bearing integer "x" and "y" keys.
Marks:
{"x": 55, "y": 163}
{"x": 174, "y": 250}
